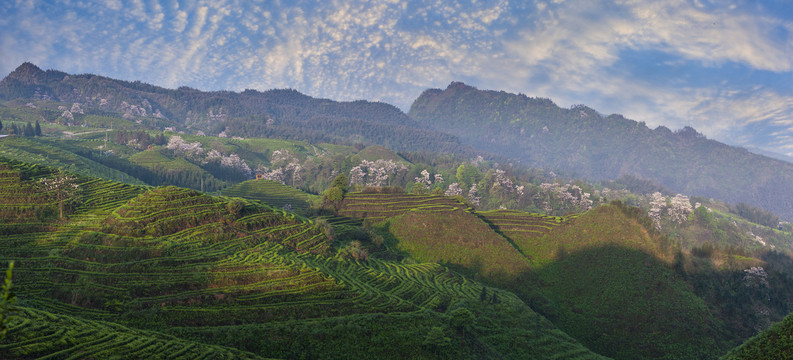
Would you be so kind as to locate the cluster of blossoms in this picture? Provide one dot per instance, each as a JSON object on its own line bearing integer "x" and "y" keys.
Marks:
{"x": 233, "y": 161}
{"x": 678, "y": 207}
{"x": 453, "y": 190}
{"x": 276, "y": 174}
{"x": 180, "y": 147}
{"x": 500, "y": 180}
{"x": 473, "y": 195}
{"x": 194, "y": 151}
{"x": 567, "y": 195}
{"x": 427, "y": 180}
{"x": 375, "y": 173}
{"x": 285, "y": 166}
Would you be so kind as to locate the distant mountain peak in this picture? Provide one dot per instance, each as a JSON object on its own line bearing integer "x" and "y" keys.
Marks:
{"x": 25, "y": 72}
{"x": 459, "y": 85}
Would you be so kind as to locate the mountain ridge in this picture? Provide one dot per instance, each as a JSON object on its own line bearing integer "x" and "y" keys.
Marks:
{"x": 539, "y": 133}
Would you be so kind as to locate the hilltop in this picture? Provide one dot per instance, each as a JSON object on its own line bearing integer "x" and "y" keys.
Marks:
{"x": 583, "y": 142}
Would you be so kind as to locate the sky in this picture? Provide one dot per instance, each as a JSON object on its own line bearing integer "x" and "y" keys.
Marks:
{"x": 722, "y": 67}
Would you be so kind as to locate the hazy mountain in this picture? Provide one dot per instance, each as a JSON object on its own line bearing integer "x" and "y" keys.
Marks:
{"x": 580, "y": 140}
{"x": 273, "y": 113}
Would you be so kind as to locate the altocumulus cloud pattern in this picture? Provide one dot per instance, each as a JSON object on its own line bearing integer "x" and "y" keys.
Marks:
{"x": 722, "y": 68}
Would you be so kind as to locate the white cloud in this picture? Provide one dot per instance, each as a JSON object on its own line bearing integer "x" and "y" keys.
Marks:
{"x": 392, "y": 50}
{"x": 180, "y": 21}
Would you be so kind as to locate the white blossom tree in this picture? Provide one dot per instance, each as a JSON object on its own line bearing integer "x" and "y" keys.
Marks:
{"x": 375, "y": 173}
{"x": 565, "y": 197}
{"x": 234, "y": 161}
{"x": 424, "y": 179}
{"x": 454, "y": 190}
{"x": 438, "y": 179}
{"x": 679, "y": 208}
{"x": 473, "y": 195}
{"x": 63, "y": 185}
{"x": 180, "y": 147}
{"x": 657, "y": 204}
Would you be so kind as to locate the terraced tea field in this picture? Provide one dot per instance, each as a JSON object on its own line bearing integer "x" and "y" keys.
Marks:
{"x": 40, "y": 334}
{"x": 42, "y": 152}
{"x": 273, "y": 193}
{"x": 382, "y": 206}
{"x": 131, "y": 264}
{"x": 525, "y": 230}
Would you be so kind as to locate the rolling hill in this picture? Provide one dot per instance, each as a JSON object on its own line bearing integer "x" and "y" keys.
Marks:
{"x": 584, "y": 272}
{"x": 173, "y": 272}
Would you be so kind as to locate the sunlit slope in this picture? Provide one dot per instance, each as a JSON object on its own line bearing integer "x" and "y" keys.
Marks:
{"x": 59, "y": 154}
{"x": 232, "y": 272}
{"x": 272, "y": 193}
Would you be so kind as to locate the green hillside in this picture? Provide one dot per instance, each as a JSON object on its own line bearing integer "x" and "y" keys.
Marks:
{"x": 273, "y": 193}
{"x": 42, "y": 152}
{"x": 585, "y": 272}
{"x": 179, "y": 272}
{"x": 774, "y": 343}
{"x": 40, "y": 334}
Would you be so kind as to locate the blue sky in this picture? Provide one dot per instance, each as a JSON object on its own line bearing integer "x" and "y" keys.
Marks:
{"x": 723, "y": 67}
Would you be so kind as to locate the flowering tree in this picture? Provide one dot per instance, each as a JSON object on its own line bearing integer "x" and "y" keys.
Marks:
{"x": 657, "y": 204}
{"x": 473, "y": 195}
{"x": 285, "y": 166}
{"x": 424, "y": 179}
{"x": 233, "y": 161}
{"x": 438, "y": 179}
{"x": 454, "y": 190}
{"x": 63, "y": 185}
{"x": 276, "y": 174}
{"x": 564, "y": 197}
{"x": 375, "y": 173}
{"x": 679, "y": 208}
{"x": 180, "y": 147}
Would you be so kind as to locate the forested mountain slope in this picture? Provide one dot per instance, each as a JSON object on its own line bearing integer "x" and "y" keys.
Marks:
{"x": 581, "y": 141}
{"x": 274, "y": 113}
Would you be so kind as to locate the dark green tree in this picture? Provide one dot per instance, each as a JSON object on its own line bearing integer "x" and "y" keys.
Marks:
{"x": 342, "y": 182}
{"x": 14, "y": 129}
{"x": 483, "y": 295}
{"x": 38, "y": 128}
{"x": 436, "y": 338}
{"x": 462, "y": 318}
{"x": 29, "y": 132}
{"x": 1, "y": 126}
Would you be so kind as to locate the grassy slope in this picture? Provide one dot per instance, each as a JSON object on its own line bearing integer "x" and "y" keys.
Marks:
{"x": 774, "y": 343}
{"x": 582, "y": 268}
{"x": 214, "y": 269}
{"x": 272, "y": 193}
{"x": 47, "y": 153}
